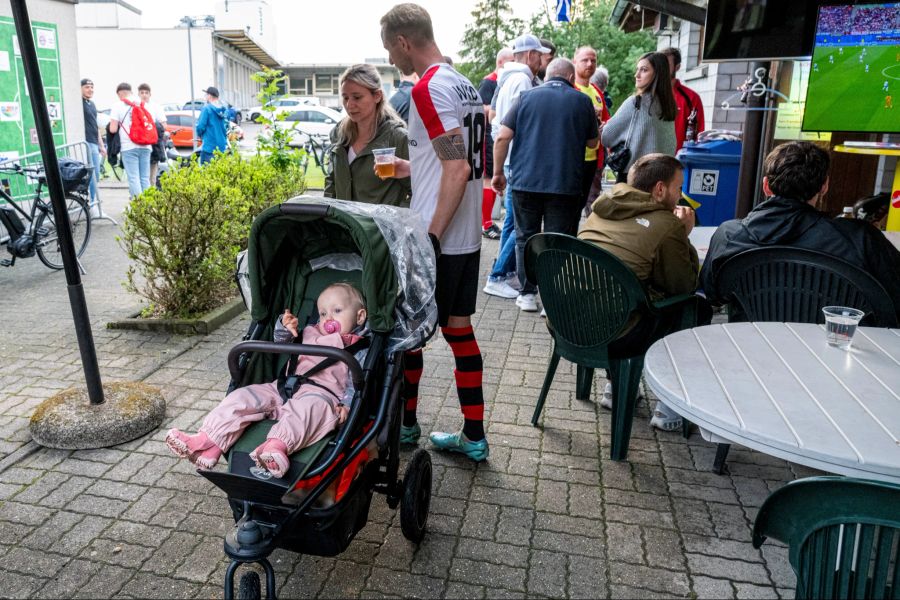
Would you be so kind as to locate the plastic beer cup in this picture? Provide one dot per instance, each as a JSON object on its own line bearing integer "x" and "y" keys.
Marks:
{"x": 840, "y": 325}
{"x": 384, "y": 162}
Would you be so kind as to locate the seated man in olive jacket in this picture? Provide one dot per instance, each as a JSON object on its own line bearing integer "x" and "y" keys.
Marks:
{"x": 795, "y": 179}
{"x": 641, "y": 223}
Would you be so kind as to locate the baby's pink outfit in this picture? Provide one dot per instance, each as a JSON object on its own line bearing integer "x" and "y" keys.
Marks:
{"x": 307, "y": 417}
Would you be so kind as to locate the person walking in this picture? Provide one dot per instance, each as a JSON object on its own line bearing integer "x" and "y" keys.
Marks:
{"x": 211, "y": 126}
{"x": 690, "y": 121}
{"x": 446, "y": 130}
{"x": 158, "y": 151}
{"x": 645, "y": 122}
{"x": 92, "y": 136}
{"x": 551, "y": 125}
{"x": 370, "y": 123}
{"x": 135, "y": 157}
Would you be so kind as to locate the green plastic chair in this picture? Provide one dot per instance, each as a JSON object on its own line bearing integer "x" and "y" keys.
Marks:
{"x": 841, "y": 533}
{"x": 589, "y": 295}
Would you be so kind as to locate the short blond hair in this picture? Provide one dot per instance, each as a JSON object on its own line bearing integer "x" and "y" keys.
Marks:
{"x": 355, "y": 295}
{"x": 409, "y": 20}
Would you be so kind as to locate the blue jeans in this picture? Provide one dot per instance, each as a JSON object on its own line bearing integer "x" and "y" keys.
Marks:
{"x": 94, "y": 150}
{"x": 137, "y": 167}
{"x": 506, "y": 258}
{"x": 205, "y": 157}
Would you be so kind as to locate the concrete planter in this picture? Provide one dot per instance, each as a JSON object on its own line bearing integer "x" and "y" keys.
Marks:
{"x": 201, "y": 325}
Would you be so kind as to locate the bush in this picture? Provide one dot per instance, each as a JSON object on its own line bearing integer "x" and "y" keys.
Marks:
{"x": 184, "y": 238}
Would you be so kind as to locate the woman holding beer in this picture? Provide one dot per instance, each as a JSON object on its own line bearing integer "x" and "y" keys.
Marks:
{"x": 371, "y": 124}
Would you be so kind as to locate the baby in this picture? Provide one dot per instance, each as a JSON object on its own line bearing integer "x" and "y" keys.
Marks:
{"x": 314, "y": 410}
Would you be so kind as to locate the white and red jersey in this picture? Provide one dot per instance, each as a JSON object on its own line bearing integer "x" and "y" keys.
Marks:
{"x": 443, "y": 100}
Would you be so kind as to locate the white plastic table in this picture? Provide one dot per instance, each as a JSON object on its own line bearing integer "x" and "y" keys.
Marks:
{"x": 780, "y": 389}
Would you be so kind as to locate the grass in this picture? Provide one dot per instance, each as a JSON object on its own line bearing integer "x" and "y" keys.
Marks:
{"x": 844, "y": 97}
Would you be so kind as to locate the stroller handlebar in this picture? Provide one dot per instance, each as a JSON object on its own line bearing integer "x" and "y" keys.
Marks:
{"x": 345, "y": 357}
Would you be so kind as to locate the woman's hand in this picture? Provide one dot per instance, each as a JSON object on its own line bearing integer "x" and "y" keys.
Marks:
{"x": 401, "y": 169}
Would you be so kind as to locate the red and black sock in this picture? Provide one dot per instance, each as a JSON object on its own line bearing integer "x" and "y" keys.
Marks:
{"x": 468, "y": 373}
{"x": 412, "y": 373}
{"x": 487, "y": 207}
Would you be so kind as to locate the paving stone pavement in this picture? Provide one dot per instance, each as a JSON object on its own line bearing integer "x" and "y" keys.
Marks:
{"x": 549, "y": 515}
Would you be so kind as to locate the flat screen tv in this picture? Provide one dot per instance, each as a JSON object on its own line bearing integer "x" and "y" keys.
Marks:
{"x": 854, "y": 81}
{"x": 742, "y": 30}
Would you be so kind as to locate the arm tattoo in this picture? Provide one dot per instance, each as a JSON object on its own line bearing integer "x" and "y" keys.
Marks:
{"x": 450, "y": 147}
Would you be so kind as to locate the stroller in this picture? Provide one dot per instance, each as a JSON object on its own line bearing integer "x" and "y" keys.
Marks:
{"x": 295, "y": 250}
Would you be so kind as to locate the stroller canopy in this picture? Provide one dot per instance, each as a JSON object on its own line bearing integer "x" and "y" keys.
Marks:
{"x": 389, "y": 245}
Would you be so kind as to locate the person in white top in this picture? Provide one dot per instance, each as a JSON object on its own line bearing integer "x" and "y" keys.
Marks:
{"x": 135, "y": 157}
{"x": 446, "y": 135}
{"x": 158, "y": 117}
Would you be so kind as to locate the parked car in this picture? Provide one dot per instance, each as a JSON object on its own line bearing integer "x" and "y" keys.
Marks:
{"x": 180, "y": 125}
{"x": 312, "y": 120}
{"x": 171, "y": 107}
{"x": 284, "y": 105}
{"x": 197, "y": 103}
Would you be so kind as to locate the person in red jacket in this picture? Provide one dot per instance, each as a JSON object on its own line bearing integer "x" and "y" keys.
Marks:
{"x": 689, "y": 122}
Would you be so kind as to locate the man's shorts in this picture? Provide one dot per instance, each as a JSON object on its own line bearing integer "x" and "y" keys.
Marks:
{"x": 457, "y": 285}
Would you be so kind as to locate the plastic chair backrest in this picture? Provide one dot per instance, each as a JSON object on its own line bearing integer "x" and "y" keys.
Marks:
{"x": 842, "y": 535}
{"x": 792, "y": 285}
{"x": 587, "y": 292}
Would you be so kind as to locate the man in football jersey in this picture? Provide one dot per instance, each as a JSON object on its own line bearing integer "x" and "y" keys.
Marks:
{"x": 446, "y": 133}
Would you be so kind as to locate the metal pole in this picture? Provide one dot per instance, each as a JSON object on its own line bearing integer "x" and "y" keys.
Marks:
{"x": 190, "y": 23}
{"x": 58, "y": 202}
{"x": 751, "y": 160}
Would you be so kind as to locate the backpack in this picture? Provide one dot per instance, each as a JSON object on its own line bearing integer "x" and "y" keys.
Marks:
{"x": 143, "y": 129}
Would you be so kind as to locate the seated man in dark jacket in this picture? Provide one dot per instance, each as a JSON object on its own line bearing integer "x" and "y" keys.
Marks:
{"x": 641, "y": 224}
{"x": 796, "y": 179}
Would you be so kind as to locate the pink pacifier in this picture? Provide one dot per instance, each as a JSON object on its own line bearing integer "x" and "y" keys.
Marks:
{"x": 331, "y": 326}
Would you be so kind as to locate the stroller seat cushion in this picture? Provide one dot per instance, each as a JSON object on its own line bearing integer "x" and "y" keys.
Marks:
{"x": 240, "y": 463}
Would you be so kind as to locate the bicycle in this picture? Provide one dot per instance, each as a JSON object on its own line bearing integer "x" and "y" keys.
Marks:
{"x": 39, "y": 236}
{"x": 318, "y": 147}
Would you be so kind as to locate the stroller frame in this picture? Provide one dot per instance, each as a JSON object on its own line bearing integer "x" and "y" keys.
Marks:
{"x": 264, "y": 521}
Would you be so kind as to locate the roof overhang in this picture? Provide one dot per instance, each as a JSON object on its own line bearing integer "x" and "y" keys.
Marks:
{"x": 633, "y": 15}
{"x": 243, "y": 42}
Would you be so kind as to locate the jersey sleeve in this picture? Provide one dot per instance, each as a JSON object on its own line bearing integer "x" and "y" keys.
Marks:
{"x": 436, "y": 105}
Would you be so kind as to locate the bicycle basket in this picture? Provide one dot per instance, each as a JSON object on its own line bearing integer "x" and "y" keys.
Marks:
{"x": 76, "y": 175}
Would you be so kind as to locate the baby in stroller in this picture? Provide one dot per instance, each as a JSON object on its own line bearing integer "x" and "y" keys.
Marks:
{"x": 317, "y": 407}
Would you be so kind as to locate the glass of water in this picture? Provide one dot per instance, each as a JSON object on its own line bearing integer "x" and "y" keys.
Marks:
{"x": 840, "y": 325}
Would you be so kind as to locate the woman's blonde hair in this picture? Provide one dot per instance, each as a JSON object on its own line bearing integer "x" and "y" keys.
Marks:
{"x": 366, "y": 76}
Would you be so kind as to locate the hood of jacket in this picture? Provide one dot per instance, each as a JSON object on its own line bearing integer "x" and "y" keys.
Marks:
{"x": 511, "y": 68}
{"x": 780, "y": 221}
{"x": 625, "y": 202}
{"x": 218, "y": 108}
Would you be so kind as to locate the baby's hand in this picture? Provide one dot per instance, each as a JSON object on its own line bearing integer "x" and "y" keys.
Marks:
{"x": 290, "y": 322}
{"x": 342, "y": 412}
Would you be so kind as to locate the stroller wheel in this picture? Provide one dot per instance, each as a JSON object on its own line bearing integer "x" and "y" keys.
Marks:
{"x": 249, "y": 588}
{"x": 416, "y": 496}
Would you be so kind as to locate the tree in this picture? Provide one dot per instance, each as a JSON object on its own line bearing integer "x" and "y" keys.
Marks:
{"x": 616, "y": 50}
{"x": 492, "y": 27}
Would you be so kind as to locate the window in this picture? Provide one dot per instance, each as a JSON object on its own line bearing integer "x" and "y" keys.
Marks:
{"x": 298, "y": 115}
{"x": 324, "y": 83}
{"x": 317, "y": 117}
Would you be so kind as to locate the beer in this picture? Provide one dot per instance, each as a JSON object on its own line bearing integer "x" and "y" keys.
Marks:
{"x": 384, "y": 170}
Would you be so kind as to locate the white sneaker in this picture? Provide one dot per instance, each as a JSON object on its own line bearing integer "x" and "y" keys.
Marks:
{"x": 500, "y": 288}
{"x": 664, "y": 419}
{"x": 513, "y": 282}
{"x": 543, "y": 313}
{"x": 606, "y": 398}
{"x": 527, "y": 302}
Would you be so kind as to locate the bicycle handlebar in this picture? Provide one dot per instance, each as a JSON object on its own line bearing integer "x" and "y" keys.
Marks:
{"x": 17, "y": 168}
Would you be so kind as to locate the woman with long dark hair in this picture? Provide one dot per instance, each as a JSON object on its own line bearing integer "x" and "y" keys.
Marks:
{"x": 645, "y": 121}
{"x": 371, "y": 123}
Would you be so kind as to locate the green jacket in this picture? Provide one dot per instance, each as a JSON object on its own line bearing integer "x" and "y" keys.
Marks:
{"x": 647, "y": 237}
{"x": 357, "y": 181}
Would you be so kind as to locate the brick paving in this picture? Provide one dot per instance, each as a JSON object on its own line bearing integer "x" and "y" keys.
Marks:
{"x": 547, "y": 516}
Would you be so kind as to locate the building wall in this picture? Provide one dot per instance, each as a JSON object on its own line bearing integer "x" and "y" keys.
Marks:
{"x": 158, "y": 57}
{"x": 234, "y": 70}
{"x": 62, "y": 14}
{"x": 321, "y": 81}
{"x": 106, "y": 14}
{"x": 252, "y": 16}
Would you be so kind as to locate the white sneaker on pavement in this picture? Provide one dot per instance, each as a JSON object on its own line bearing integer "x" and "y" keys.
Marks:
{"x": 527, "y": 302}
{"x": 606, "y": 398}
{"x": 500, "y": 289}
{"x": 664, "y": 418}
{"x": 543, "y": 313}
{"x": 513, "y": 282}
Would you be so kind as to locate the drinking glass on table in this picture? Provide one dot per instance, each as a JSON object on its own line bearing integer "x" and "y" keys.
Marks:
{"x": 384, "y": 162}
{"x": 840, "y": 325}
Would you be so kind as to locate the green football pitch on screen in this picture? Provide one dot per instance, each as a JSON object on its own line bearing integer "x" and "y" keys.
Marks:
{"x": 854, "y": 88}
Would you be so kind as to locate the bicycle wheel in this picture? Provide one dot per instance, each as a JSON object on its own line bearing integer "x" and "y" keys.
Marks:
{"x": 46, "y": 241}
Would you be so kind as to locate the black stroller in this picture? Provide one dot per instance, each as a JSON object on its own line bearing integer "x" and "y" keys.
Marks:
{"x": 297, "y": 249}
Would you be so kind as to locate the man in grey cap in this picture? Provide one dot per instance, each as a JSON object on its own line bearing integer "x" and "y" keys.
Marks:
{"x": 515, "y": 77}
{"x": 211, "y": 126}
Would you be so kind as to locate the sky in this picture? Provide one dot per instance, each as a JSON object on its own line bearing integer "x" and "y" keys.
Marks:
{"x": 330, "y": 31}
